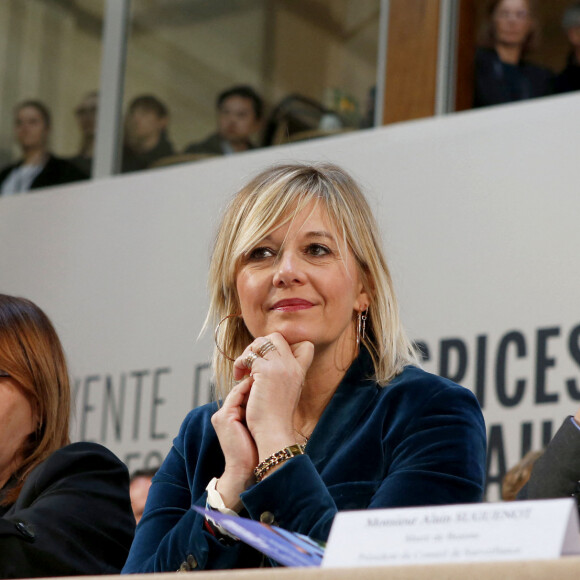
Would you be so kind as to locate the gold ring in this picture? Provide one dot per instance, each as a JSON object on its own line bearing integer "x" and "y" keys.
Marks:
{"x": 265, "y": 348}
{"x": 249, "y": 360}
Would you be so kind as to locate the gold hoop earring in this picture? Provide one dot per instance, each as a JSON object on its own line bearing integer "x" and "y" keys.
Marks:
{"x": 216, "y": 336}
{"x": 361, "y": 326}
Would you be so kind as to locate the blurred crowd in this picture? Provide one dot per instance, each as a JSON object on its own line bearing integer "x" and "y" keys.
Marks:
{"x": 503, "y": 73}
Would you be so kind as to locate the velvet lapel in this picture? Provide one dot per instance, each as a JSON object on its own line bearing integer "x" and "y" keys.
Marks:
{"x": 354, "y": 395}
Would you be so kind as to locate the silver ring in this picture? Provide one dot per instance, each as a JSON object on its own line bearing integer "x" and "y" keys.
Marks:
{"x": 265, "y": 348}
{"x": 249, "y": 360}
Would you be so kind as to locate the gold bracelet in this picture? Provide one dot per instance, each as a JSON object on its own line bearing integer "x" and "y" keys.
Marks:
{"x": 277, "y": 458}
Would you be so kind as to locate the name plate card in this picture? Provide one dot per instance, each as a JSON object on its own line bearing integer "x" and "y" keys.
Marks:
{"x": 519, "y": 530}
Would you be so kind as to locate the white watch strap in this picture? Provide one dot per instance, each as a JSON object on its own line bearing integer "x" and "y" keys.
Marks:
{"x": 215, "y": 502}
{"x": 214, "y": 499}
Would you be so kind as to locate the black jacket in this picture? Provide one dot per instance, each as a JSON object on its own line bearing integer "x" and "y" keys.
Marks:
{"x": 133, "y": 161}
{"x": 557, "y": 472}
{"x": 57, "y": 171}
{"x": 569, "y": 79}
{"x": 497, "y": 82}
{"x": 213, "y": 145}
{"x": 73, "y": 516}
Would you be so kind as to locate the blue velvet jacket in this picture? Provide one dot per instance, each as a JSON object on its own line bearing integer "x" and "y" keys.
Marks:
{"x": 418, "y": 441}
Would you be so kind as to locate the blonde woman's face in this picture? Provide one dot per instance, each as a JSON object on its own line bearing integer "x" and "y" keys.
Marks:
{"x": 301, "y": 282}
{"x": 512, "y": 22}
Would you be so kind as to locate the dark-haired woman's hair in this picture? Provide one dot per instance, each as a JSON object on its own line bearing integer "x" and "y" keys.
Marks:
{"x": 487, "y": 36}
{"x": 31, "y": 353}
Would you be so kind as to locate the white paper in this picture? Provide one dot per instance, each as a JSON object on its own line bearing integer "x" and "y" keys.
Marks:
{"x": 517, "y": 530}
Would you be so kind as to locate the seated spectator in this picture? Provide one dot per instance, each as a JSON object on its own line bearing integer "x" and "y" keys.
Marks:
{"x": 38, "y": 166}
{"x": 557, "y": 472}
{"x": 569, "y": 79}
{"x": 64, "y": 508}
{"x": 86, "y": 114}
{"x": 239, "y": 112}
{"x": 138, "y": 490}
{"x": 145, "y": 133}
{"x": 502, "y": 75}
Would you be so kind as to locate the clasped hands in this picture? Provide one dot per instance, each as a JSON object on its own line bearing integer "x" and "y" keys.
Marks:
{"x": 257, "y": 417}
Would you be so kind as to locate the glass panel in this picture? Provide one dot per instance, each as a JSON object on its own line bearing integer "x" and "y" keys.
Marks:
{"x": 50, "y": 51}
{"x": 313, "y": 62}
{"x": 326, "y": 51}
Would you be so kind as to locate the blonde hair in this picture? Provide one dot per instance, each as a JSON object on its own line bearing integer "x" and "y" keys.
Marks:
{"x": 271, "y": 199}
{"x": 31, "y": 353}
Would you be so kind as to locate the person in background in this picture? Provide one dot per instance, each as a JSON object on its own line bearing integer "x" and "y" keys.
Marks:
{"x": 323, "y": 407}
{"x": 38, "y": 167}
{"x": 146, "y": 138}
{"x": 64, "y": 508}
{"x": 239, "y": 112}
{"x": 502, "y": 73}
{"x": 138, "y": 490}
{"x": 569, "y": 79}
{"x": 86, "y": 114}
{"x": 557, "y": 472}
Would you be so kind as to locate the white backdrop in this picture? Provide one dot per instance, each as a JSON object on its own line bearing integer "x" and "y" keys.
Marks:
{"x": 479, "y": 212}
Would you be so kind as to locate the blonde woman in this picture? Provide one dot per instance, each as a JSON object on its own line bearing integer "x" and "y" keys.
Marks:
{"x": 323, "y": 407}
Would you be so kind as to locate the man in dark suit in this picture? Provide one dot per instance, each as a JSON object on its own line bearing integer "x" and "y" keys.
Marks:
{"x": 146, "y": 139}
{"x": 38, "y": 166}
{"x": 239, "y": 111}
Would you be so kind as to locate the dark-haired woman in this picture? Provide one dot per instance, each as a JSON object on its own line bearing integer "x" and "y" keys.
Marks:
{"x": 64, "y": 508}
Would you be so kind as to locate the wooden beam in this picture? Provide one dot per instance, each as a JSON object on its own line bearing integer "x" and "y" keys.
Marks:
{"x": 411, "y": 60}
{"x": 466, "y": 40}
